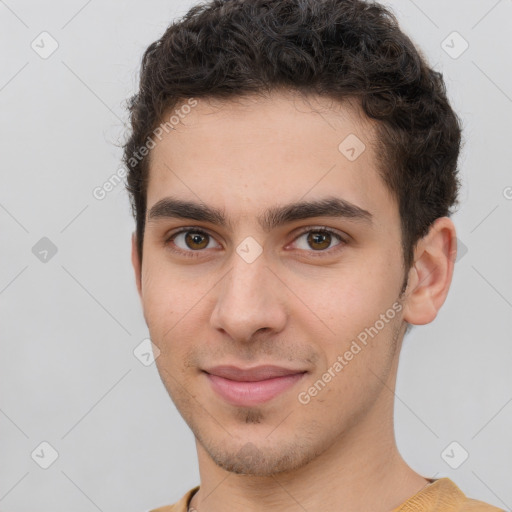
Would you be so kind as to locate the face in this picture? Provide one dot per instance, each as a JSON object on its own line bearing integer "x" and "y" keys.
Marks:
{"x": 278, "y": 325}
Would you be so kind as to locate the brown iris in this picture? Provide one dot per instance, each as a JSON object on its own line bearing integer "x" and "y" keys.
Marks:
{"x": 317, "y": 237}
{"x": 192, "y": 238}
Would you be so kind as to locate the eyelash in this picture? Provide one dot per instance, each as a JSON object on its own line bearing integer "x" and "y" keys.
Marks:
{"x": 196, "y": 253}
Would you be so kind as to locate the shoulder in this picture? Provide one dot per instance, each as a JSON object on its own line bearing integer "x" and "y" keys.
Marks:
{"x": 467, "y": 504}
{"x": 470, "y": 505}
{"x": 443, "y": 495}
{"x": 179, "y": 506}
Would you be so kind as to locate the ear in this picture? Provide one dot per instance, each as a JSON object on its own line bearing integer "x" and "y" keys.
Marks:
{"x": 136, "y": 264}
{"x": 431, "y": 274}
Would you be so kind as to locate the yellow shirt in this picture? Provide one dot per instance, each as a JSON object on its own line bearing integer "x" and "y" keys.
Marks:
{"x": 442, "y": 495}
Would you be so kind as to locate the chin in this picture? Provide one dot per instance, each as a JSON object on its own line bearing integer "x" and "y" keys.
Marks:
{"x": 253, "y": 460}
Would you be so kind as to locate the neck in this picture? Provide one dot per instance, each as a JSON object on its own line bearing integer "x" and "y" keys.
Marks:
{"x": 360, "y": 472}
{"x": 363, "y": 470}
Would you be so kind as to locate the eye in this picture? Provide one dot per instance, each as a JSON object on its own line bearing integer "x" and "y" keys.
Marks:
{"x": 189, "y": 241}
{"x": 318, "y": 239}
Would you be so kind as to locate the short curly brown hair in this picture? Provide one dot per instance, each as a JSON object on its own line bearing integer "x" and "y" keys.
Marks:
{"x": 333, "y": 48}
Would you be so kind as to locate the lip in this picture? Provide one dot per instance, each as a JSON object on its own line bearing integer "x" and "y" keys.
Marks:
{"x": 251, "y": 386}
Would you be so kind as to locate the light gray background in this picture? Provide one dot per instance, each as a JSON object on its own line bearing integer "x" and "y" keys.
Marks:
{"x": 69, "y": 326}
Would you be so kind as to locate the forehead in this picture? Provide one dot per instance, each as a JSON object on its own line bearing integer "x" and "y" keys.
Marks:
{"x": 250, "y": 153}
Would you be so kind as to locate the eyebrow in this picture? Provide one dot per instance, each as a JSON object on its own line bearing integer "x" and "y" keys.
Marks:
{"x": 272, "y": 217}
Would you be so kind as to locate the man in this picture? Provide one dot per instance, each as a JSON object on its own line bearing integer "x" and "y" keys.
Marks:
{"x": 292, "y": 166}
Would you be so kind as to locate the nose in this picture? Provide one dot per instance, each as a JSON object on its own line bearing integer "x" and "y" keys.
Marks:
{"x": 249, "y": 299}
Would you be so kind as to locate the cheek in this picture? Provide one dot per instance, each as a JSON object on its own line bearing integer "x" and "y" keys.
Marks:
{"x": 174, "y": 312}
{"x": 367, "y": 289}
{"x": 344, "y": 301}
{"x": 164, "y": 296}
{"x": 357, "y": 306}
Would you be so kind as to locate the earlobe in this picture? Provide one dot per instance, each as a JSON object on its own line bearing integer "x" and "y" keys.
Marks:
{"x": 431, "y": 275}
{"x": 136, "y": 264}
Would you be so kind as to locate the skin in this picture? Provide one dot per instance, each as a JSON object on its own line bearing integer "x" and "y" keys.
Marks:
{"x": 298, "y": 304}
